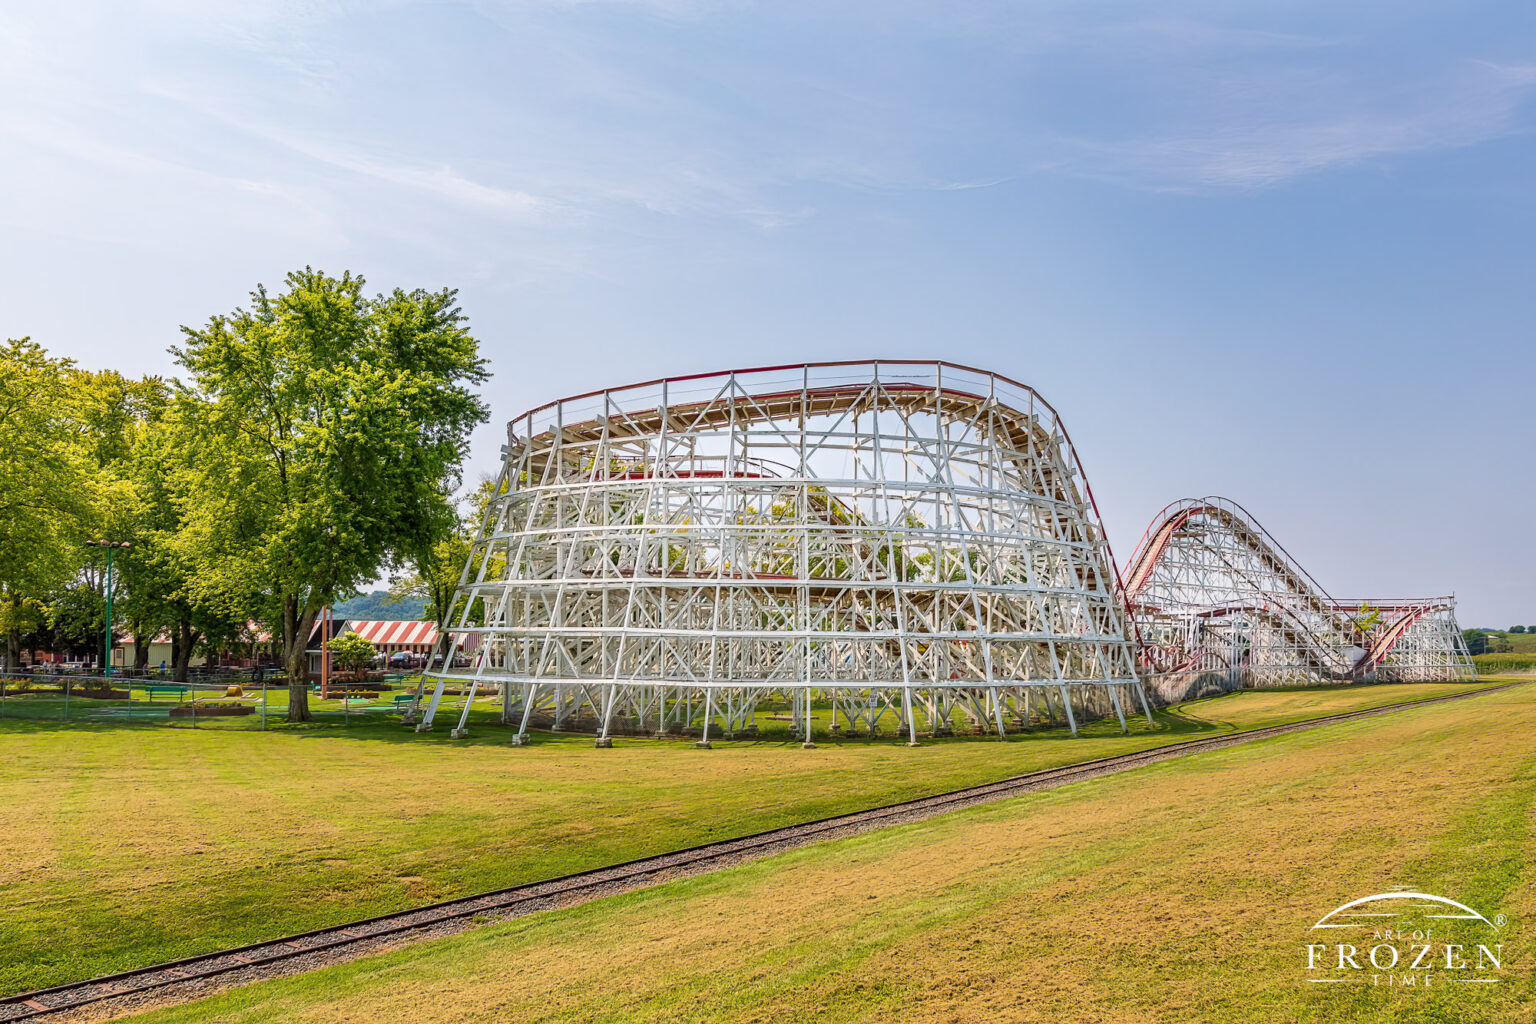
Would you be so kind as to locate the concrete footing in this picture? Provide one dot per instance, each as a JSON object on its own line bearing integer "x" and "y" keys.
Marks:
{"x": 705, "y": 745}
{"x": 459, "y": 734}
{"x": 424, "y": 727}
{"x": 603, "y": 741}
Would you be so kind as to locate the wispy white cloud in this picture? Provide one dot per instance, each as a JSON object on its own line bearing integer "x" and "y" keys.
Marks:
{"x": 440, "y": 180}
{"x": 1254, "y": 134}
{"x": 576, "y": 116}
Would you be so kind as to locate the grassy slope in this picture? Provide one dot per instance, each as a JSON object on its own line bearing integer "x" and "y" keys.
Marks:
{"x": 1180, "y": 892}
{"x": 1523, "y": 643}
{"x": 1521, "y": 659}
{"x": 128, "y": 846}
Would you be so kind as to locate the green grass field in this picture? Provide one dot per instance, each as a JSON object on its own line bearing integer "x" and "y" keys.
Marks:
{"x": 126, "y": 846}
{"x": 1184, "y": 891}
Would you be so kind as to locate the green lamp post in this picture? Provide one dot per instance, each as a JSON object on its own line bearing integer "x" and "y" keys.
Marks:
{"x": 111, "y": 546}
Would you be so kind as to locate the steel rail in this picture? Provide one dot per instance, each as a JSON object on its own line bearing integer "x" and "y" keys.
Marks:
{"x": 598, "y": 882}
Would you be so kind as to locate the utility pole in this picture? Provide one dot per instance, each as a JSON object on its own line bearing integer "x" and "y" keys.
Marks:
{"x": 111, "y": 546}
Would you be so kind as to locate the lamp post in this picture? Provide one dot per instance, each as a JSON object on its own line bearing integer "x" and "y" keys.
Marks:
{"x": 111, "y": 546}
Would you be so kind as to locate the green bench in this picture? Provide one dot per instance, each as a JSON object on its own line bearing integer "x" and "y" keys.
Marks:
{"x": 177, "y": 688}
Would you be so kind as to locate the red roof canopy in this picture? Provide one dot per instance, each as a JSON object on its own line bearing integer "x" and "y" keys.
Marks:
{"x": 395, "y": 633}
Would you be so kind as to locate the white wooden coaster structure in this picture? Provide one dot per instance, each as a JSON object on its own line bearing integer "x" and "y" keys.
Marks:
{"x": 892, "y": 543}
{"x": 1218, "y": 604}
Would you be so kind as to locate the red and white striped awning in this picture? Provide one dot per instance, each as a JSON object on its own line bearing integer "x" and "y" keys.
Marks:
{"x": 393, "y": 635}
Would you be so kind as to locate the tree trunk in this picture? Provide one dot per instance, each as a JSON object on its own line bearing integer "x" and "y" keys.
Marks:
{"x": 141, "y": 651}
{"x": 296, "y": 661}
{"x": 296, "y": 629}
{"x": 186, "y": 640}
{"x": 13, "y": 637}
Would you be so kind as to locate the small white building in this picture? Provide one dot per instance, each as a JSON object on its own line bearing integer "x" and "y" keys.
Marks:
{"x": 159, "y": 651}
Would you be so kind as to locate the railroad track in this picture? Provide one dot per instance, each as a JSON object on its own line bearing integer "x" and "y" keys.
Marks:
{"x": 195, "y": 976}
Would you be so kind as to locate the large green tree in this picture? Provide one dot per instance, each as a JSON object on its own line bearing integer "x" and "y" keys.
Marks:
{"x": 45, "y": 501}
{"x": 174, "y": 557}
{"x": 115, "y": 413}
{"x": 331, "y": 428}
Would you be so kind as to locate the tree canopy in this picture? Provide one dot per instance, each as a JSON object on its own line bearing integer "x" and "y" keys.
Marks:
{"x": 330, "y": 427}
{"x": 45, "y": 508}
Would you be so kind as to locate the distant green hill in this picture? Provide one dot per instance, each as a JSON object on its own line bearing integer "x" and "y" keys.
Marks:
{"x": 1519, "y": 643}
{"x": 378, "y": 605}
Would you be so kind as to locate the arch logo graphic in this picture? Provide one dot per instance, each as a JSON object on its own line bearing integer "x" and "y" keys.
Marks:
{"x": 1405, "y": 939}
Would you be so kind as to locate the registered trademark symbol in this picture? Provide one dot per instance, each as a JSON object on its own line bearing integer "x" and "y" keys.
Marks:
{"x": 1500, "y": 921}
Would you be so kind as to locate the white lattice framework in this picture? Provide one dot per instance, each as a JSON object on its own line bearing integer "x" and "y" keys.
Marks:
{"x": 1218, "y": 604}
{"x": 907, "y": 541}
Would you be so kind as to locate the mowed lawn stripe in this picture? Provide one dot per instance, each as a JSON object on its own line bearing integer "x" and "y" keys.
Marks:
{"x": 143, "y": 845}
{"x": 1183, "y": 891}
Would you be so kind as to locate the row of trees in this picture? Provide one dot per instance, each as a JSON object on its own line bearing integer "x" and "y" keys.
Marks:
{"x": 313, "y": 445}
{"x": 1481, "y": 641}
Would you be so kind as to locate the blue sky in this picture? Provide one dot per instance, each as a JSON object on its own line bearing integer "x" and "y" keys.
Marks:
{"x": 1279, "y": 252}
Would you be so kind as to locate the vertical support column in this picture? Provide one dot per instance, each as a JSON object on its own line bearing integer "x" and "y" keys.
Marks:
{"x": 530, "y": 695}
{"x": 1114, "y": 698}
{"x": 997, "y": 712}
{"x": 1145, "y": 707}
{"x": 709, "y": 712}
{"x": 425, "y": 725}
{"x": 469, "y": 700}
{"x": 609, "y": 700}
{"x": 906, "y": 709}
{"x": 1066, "y": 702}
{"x": 325, "y": 653}
{"x": 808, "y": 744}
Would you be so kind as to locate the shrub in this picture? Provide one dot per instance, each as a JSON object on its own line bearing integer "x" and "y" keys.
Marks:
{"x": 351, "y": 651}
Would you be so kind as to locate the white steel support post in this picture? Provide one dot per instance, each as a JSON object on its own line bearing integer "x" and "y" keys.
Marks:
{"x": 709, "y": 713}
{"x": 1145, "y": 707}
{"x": 1066, "y": 702}
{"x": 469, "y": 700}
{"x": 1119, "y": 713}
{"x": 425, "y": 725}
{"x": 610, "y": 699}
{"x": 522, "y": 728}
{"x": 808, "y": 744}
